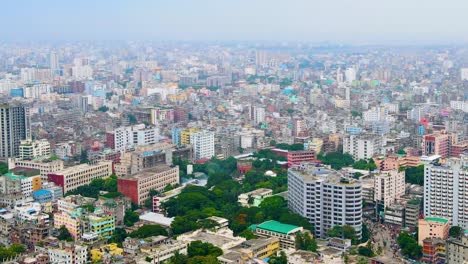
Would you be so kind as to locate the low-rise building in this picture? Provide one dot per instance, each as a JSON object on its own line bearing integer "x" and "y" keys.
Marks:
{"x": 112, "y": 249}
{"x": 45, "y": 166}
{"x": 302, "y": 256}
{"x": 137, "y": 187}
{"x": 68, "y": 254}
{"x": 251, "y": 249}
{"x": 284, "y": 232}
{"x": 433, "y": 251}
{"x": 73, "y": 177}
{"x": 254, "y": 198}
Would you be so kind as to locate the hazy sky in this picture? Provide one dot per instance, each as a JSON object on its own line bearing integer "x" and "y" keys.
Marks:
{"x": 341, "y": 21}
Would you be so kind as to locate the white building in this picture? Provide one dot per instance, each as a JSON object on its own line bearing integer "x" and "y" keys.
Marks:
{"x": 459, "y": 105}
{"x": 388, "y": 186}
{"x": 325, "y": 197}
{"x": 464, "y": 74}
{"x": 257, "y": 114}
{"x": 45, "y": 166}
{"x": 446, "y": 190}
{"x": 363, "y": 146}
{"x": 69, "y": 254}
{"x": 33, "y": 149}
{"x": 132, "y": 136}
{"x": 203, "y": 145}
{"x": 31, "y": 213}
{"x": 375, "y": 114}
{"x": 350, "y": 75}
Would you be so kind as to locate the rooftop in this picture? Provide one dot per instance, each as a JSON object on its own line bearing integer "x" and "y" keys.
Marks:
{"x": 277, "y": 227}
{"x": 436, "y": 219}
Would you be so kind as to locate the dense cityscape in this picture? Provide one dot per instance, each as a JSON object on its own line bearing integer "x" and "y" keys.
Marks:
{"x": 246, "y": 152}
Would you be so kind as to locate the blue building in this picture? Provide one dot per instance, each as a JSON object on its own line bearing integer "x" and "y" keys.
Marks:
{"x": 43, "y": 196}
{"x": 176, "y": 132}
{"x": 17, "y": 92}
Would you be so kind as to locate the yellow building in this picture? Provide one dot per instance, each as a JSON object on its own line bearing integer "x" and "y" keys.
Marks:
{"x": 102, "y": 225}
{"x": 98, "y": 253}
{"x": 185, "y": 135}
{"x": 251, "y": 249}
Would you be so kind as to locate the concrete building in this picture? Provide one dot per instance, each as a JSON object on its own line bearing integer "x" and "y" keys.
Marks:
{"x": 433, "y": 227}
{"x": 434, "y": 251}
{"x": 73, "y": 177}
{"x": 203, "y": 145}
{"x": 143, "y": 158}
{"x": 250, "y": 250}
{"x": 20, "y": 182}
{"x": 14, "y": 127}
{"x": 45, "y": 167}
{"x": 68, "y": 254}
{"x": 284, "y": 232}
{"x": 325, "y": 197}
{"x": 34, "y": 149}
{"x": 445, "y": 190}
{"x": 254, "y": 197}
{"x": 436, "y": 144}
{"x": 138, "y": 186}
{"x": 363, "y": 146}
{"x": 138, "y": 135}
{"x": 457, "y": 250}
{"x": 389, "y": 186}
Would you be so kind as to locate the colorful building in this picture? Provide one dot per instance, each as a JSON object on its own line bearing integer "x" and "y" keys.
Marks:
{"x": 284, "y": 232}
{"x": 98, "y": 253}
{"x": 102, "y": 225}
{"x": 433, "y": 251}
{"x": 433, "y": 227}
{"x": 185, "y": 135}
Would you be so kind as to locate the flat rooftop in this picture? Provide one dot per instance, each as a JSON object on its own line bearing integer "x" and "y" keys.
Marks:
{"x": 275, "y": 226}
{"x": 436, "y": 219}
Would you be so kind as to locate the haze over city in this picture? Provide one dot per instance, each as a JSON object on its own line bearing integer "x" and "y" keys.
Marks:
{"x": 337, "y": 21}
{"x": 234, "y": 132}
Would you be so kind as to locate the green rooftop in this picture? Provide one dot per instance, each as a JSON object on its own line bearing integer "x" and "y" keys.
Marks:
{"x": 436, "y": 219}
{"x": 278, "y": 227}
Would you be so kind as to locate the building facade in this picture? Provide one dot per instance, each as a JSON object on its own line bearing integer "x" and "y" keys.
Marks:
{"x": 137, "y": 187}
{"x": 14, "y": 127}
{"x": 73, "y": 177}
{"x": 446, "y": 190}
{"x": 389, "y": 186}
{"x": 325, "y": 197}
{"x": 203, "y": 145}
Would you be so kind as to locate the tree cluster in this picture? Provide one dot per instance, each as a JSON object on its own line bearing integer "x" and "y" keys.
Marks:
{"x": 415, "y": 175}
{"x": 409, "y": 246}
{"x": 11, "y": 251}
{"x": 346, "y": 232}
{"x": 92, "y": 190}
{"x": 198, "y": 253}
{"x": 362, "y": 164}
{"x": 336, "y": 160}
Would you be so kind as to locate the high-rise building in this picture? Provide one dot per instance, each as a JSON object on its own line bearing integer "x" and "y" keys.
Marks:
{"x": 464, "y": 74}
{"x": 54, "y": 62}
{"x": 325, "y": 197}
{"x": 389, "y": 186}
{"x": 446, "y": 190}
{"x": 257, "y": 114}
{"x": 14, "y": 127}
{"x": 203, "y": 144}
{"x": 350, "y": 75}
{"x": 84, "y": 104}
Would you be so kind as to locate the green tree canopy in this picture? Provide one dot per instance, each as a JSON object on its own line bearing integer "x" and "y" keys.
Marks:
{"x": 148, "y": 230}
{"x": 409, "y": 246}
{"x": 64, "y": 234}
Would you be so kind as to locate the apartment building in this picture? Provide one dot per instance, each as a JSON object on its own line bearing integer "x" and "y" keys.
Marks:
{"x": 128, "y": 137}
{"x": 73, "y": 177}
{"x": 325, "y": 197}
{"x": 457, "y": 250}
{"x": 446, "y": 190}
{"x": 203, "y": 145}
{"x": 14, "y": 127}
{"x": 68, "y": 254}
{"x": 284, "y": 232}
{"x": 436, "y": 144}
{"x": 389, "y": 186}
{"x": 138, "y": 186}
{"x": 363, "y": 146}
{"x": 144, "y": 157}
{"x": 18, "y": 182}
{"x": 433, "y": 227}
{"x": 33, "y": 149}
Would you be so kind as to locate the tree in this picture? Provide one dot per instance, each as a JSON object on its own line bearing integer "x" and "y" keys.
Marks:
{"x": 345, "y": 231}
{"x": 3, "y": 168}
{"x": 455, "y": 231}
{"x": 132, "y": 119}
{"x": 148, "y": 230}
{"x": 281, "y": 259}
{"x": 304, "y": 241}
{"x": 203, "y": 260}
{"x": 409, "y": 246}
{"x": 64, "y": 234}
{"x": 415, "y": 175}
{"x": 131, "y": 218}
{"x": 365, "y": 233}
{"x": 103, "y": 108}
{"x": 198, "y": 248}
{"x": 178, "y": 258}
{"x": 182, "y": 224}
{"x": 247, "y": 234}
{"x": 336, "y": 160}
{"x": 365, "y": 251}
